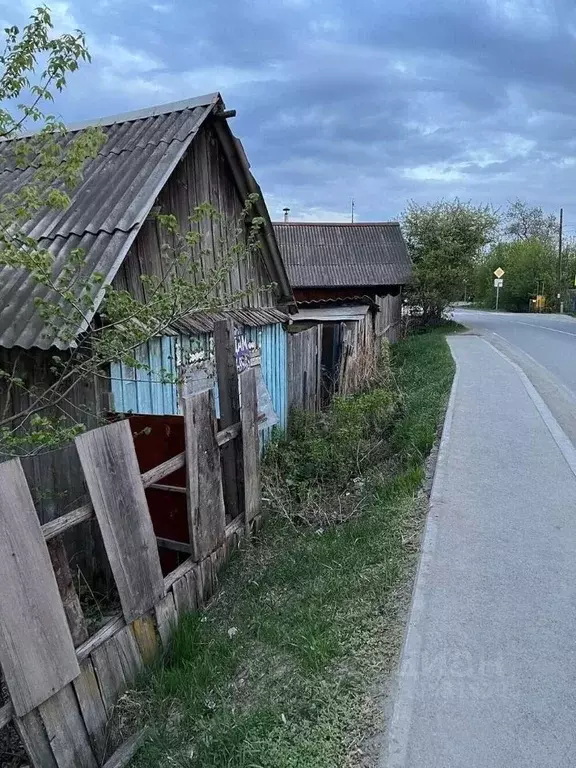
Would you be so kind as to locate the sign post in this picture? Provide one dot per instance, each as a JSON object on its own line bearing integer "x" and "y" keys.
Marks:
{"x": 498, "y": 283}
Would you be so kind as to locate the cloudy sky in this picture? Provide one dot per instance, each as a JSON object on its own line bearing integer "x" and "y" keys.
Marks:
{"x": 380, "y": 100}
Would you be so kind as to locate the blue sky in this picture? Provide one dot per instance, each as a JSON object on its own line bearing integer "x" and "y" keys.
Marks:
{"x": 380, "y": 100}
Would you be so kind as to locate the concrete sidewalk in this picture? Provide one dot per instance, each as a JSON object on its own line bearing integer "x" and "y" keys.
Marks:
{"x": 488, "y": 672}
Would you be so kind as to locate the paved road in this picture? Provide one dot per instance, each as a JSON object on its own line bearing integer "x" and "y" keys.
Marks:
{"x": 548, "y": 339}
{"x": 488, "y": 672}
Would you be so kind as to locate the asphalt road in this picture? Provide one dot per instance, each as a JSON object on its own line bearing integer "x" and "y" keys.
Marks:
{"x": 488, "y": 670}
{"x": 550, "y": 340}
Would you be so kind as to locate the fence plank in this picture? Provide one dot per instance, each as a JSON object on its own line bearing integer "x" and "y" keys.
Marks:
{"x": 117, "y": 663}
{"x": 175, "y": 546}
{"x": 229, "y": 399}
{"x": 126, "y": 752}
{"x": 250, "y": 445}
{"x": 110, "y": 466}
{"x": 109, "y": 629}
{"x": 164, "y": 469}
{"x": 35, "y": 740}
{"x": 66, "y": 731}
{"x": 146, "y": 638}
{"x": 206, "y": 514}
{"x": 186, "y": 593}
{"x": 63, "y": 523}
{"x": 129, "y": 653}
{"x": 166, "y": 618}
{"x": 36, "y": 650}
{"x": 110, "y": 673}
{"x": 92, "y": 708}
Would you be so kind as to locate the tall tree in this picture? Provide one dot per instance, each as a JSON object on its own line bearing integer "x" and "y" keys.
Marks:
{"x": 524, "y": 222}
{"x": 445, "y": 240}
{"x": 530, "y": 268}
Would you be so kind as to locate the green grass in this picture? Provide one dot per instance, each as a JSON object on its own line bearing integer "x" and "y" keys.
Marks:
{"x": 278, "y": 671}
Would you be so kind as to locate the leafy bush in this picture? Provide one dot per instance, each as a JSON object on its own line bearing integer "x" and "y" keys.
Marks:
{"x": 322, "y": 460}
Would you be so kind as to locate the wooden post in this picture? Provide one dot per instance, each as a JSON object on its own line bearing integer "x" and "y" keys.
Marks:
{"x": 250, "y": 446}
{"x": 70, "y": 600}
{"x": 206, "y": 514}
{"x": 229, "y": 398}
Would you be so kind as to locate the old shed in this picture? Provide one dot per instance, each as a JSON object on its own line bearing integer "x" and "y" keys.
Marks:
{"x": 169, "y": 159}
{"x": 347, "y": 279}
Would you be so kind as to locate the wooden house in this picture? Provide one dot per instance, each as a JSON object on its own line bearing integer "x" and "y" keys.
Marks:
{"x": 169, "y": 158}
{"x": 348, "y": 279}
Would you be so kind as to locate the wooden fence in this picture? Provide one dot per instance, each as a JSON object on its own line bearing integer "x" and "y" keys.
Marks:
{"x": 63, "y": 685}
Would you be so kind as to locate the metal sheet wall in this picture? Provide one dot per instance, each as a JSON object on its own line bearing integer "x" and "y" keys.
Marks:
{"x": 140, "y": 391}
{"x": 272, "y": 341}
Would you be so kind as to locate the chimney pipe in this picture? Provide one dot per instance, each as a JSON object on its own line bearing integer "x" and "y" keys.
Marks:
{"x": 286, "y": 212}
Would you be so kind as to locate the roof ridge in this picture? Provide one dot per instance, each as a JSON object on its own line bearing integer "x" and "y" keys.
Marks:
{"x": 137, "y": 114}
{"x": 140, "y": 114}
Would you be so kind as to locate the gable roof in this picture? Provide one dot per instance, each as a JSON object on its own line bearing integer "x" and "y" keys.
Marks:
{"x": 338, "y": 255}
{"x": 107, "y": 209}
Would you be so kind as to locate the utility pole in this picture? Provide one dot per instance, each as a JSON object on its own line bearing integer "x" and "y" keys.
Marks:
{"x": 561, "y": 303}
{"x": 352, "y": 210}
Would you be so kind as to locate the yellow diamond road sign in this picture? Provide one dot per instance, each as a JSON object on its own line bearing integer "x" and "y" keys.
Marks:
{"x": 499, "y": 272}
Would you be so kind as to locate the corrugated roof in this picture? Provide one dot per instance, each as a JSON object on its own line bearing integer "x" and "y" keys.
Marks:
{"x": 203, "y": 322}
{"x": 339, "y": 255}
{"x": 107, "y": 209}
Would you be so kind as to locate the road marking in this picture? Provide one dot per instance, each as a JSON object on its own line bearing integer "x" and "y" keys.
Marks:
{"x": 559, "y": 436}
{"x": 553, "y": 379}
{"x": 545, "y": 328}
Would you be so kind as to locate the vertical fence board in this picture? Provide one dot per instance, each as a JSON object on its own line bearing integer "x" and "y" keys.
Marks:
{"x": 111, "y": 469}
{"x": 186, "y": 594}
{"x": 35, "y": 740}
{"x": 92, "y": 708}
{"x": 146, "y": 638}
{"x": 207, "y": 579}
{"x": 36, "y": 650}
{"x": 110, "y": 674}
{"x": 116, "y": 663}
{"x": 206, "y": 512}
{"x": 66, "y": 731}
{"x": 166, "y": 618}
{"x": 229, "y": 400}
{"x": 250, "y": 445}
{"x": 129, "y": 653}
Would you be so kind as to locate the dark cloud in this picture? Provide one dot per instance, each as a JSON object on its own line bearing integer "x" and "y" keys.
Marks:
{"x": 383, "y": 101}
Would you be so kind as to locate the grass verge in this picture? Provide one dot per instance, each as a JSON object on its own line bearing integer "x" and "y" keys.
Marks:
{"x": 279, "y": 671}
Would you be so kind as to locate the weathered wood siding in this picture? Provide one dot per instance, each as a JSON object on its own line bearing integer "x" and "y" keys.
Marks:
{"x": 389, "y": 318}
{"x": 202, "y": 176}
{"x": 55, "y": 476}
{"x": 304, "y": 368}
{"x": 358, "y": 360}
